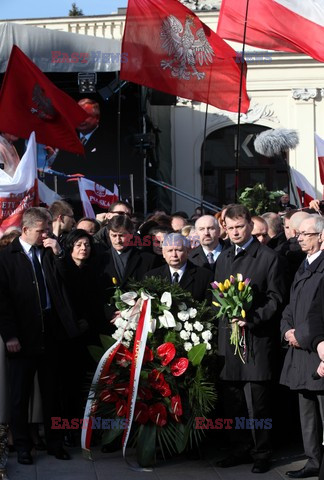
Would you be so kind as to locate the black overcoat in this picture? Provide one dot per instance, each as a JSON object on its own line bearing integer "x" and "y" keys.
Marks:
{"x": 301, "y": 363}
{"x": 195, "y": 280}
{"x": 262, "y": 266}
{"x": 20, "y": 309}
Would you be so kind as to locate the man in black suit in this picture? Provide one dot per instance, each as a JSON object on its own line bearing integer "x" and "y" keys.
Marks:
{"x": 178, "y": 268}
{"x": 245, "y": 386}
{"x": 36, "y": 325}
{"x": 207, "y": 229}
{"x": 300, "y": 363}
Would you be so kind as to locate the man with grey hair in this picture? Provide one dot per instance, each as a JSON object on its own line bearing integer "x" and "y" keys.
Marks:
{"x": 179, "y": 269}
{"x": 208, "y": 231}
{"x": 275, "y": 230}
{"x": 300, "y": 363}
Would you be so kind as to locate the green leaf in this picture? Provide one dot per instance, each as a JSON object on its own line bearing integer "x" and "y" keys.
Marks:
{"x": 196, "y": 354}
{"x": 96, "y": 352}
{"x": 111, "y": 434}
{"x": 106, "y": 341}
{"x": 146, "y": 445}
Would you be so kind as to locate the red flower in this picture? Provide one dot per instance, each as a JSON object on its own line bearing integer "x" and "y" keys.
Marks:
{"x": 165, "y": 390}
{"x": 141, "y": 414}
{"x": 122, "y": 389}
{"x": 148, "y": 355}
{"x": 158, "y": 414}
{"x": 144, "y": 393}
{"x": 108, "y": 396}
{"x": 123, "y": 356}
{"x": 121, "y": 408}
{"x": 166, "y": 352}
{"x": 176, "y": 407}
{"x": 179, "y": 366}
{"x": 156, "y": 379}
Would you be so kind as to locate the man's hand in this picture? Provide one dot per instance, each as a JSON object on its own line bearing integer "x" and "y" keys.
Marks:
{"x": 13, "y": 345}
{"x": 291, "y": 339}
{"x": 314, "y": 204}
{"x": 239, "y": 321}
{"x": 53, "y": 244}
{"x": 320, "y": 369}
{"x": 320, "y": 350}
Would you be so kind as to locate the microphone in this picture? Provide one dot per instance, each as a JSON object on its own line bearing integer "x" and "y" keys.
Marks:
{"x": 275, "y": 141}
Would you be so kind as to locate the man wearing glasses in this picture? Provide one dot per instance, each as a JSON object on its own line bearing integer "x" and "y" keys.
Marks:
{"x": 300, "y": 363}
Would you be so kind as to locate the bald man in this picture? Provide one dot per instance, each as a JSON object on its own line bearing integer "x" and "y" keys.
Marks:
{"x": 208, "y": 232}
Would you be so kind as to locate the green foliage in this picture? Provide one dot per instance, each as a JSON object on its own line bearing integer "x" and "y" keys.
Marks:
{"x": 196, "y": 354}
{"x": 259, "y": 200}
{"x": 75, "y": 11}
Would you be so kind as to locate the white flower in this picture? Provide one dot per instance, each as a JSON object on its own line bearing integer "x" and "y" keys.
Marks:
{"x": 132, "y": 326}
{"x": 178, "y": 327}
{"x": 127, "y": 344}
{"x": 126, "y": 314}
{"x": 118, "y": 333}
{"x": 128, "y": 335}
{"x": 207, "y": 335}
{"x": 188, "y": 326}
{"x": 187, "y": 346}
{"x": 195, "y": 339}
{"x": 182, "y": 306}
{"x": 184, "y": 335}
{"x": 167, "y": 319}
{"x": 198, "y": 326}
{"x": 183, "y": 316}
{"x": 192, "y": 312}
{"x": 208, "y": 345}
{"x": 152, "y": 325}
{"x": 129, "y": 298}
{"x": 166, "y": 299}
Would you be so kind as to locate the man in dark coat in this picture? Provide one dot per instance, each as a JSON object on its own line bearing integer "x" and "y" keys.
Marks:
{"x": 245, "y": 386}
{"x": 207, "y": 229}
{"x": 179, "y": 269}
{"x": 300, "y": 363}
{"x": 36, "y": 323}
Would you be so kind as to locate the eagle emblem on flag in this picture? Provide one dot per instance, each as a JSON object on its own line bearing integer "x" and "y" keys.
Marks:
{"x": 185, "y": 49}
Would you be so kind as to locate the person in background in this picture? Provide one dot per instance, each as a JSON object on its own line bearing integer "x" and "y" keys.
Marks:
{"x": 62, "y": 218}
{"x": 9, "y": 158}
{"x": 208, "y": 231}
{"x": 284, "y": 203}
{"x": 300, "y": 363}
{"x": 178, "y": 221}
{"x": 101, "y": 238}
{"x": 90, "y": 225}
{"x": 260, "y": 229}
{"x": 275, "y": 230}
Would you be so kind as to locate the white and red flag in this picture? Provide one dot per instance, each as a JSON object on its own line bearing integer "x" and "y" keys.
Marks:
{"x": 320, "y": 155}
{"x": 20, "y": 192}
{"x": 305, "y": 190}
{"x": 170, "y": 49}
{"x": 284, "y": 25}
{"x": 93, "y": 193}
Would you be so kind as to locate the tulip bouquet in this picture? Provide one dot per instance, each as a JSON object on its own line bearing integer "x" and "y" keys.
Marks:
{"x": 234, "y": 297}
{"x": 175, "y": 381}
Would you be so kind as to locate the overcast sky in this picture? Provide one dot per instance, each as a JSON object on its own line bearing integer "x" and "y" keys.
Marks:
{"x": 11, "y": 9}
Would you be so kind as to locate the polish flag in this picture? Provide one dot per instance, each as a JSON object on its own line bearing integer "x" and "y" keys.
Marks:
{"x": 305, "y": 190}
{"x": 320, "y": 155}
{"x": 93, "y": 193}
{"x": 284, "y": 25}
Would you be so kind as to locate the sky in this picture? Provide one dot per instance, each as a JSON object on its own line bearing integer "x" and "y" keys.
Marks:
{"x": 11, "y": 9}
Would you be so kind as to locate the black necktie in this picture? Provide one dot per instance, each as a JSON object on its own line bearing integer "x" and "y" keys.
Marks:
{"x": 306, "y": 264}
{"x": 210, "y": 258}
{"x": 175, "y": 277}
{"x": 40, "y": 278}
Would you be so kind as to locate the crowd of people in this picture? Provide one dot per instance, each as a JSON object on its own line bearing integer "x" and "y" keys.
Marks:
{"x": 57, "y": 278}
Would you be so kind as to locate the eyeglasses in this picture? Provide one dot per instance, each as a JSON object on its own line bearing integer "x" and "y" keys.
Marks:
{"x": 306, "y": 234}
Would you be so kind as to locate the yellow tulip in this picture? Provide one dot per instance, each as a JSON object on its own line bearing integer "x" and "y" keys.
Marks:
{"x": 216, "y": 304}
{"x": 114, "y": 280}
{"x": 221, "y": 287}
{"x": 240, "y": 286}
{"x": 227, "y": 284}
{"x": 243, "y": 314}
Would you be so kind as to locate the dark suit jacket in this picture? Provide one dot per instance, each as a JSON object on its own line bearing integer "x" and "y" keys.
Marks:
{"x": 20, "y": 309}
{"x": 268, "y": 283}
{"x": 197, "y": 257}
{"x": 195, "y": 280}
{"x": 301, "y": 363}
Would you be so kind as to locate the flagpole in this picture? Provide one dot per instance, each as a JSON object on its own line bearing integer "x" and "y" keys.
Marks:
{"x": 238, "y": 136}
{"x": 203, "y": 160}
{"x": 119, "y": 138}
